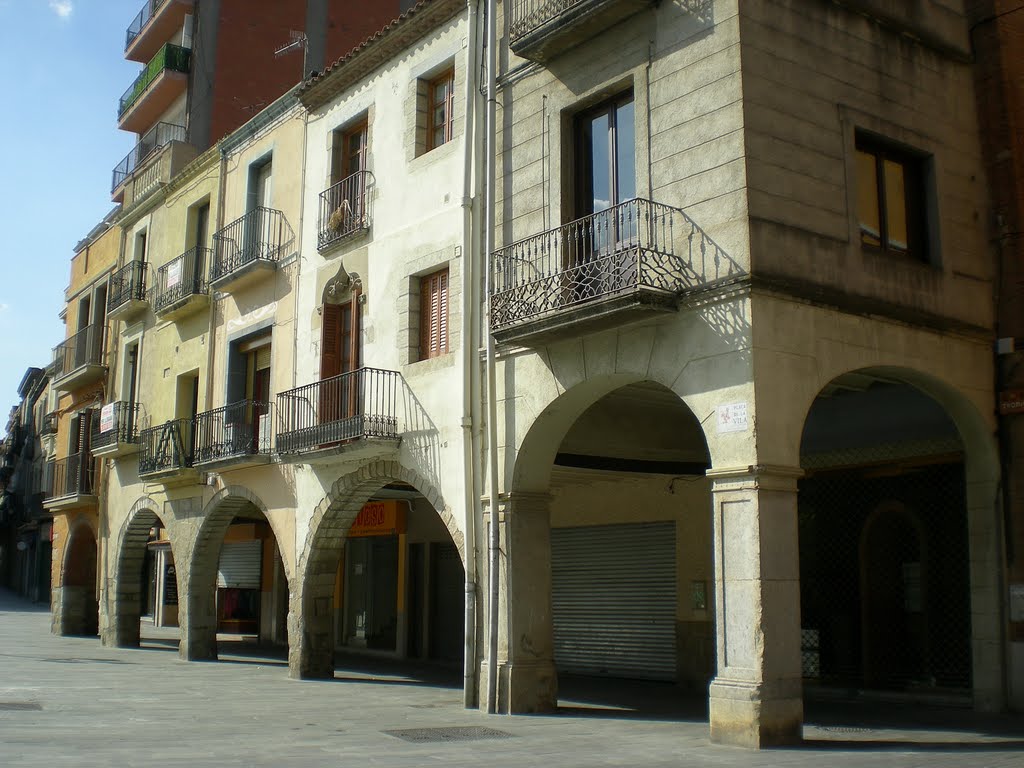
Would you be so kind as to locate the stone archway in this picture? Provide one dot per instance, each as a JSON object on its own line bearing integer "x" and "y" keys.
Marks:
{"x": 311, "y": 629}
{"x": 75, "y": 608}
{"x": 125, "y": 595}
{"x": 200, "y": 619}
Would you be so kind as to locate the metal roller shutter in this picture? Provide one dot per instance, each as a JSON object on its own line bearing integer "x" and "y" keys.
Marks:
{"x": 239, "y": 565}
{"x": 614, "y": 600}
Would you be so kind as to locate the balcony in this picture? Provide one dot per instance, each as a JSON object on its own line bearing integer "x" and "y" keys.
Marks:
{"x": 249, "y": 247}
{"x": 115, "y": 430}
{"x": 354, "y": 414}
{"x": 344, "y": 210}
{"x": 146, "y": 166}
{"x": 162, "y": 80}
{"x": 181, "y": 285}
{"x": 630, "y": 261}
{"x": 49, "y": 424}
{"x": 126, "y": 291}
{"x": 235, "y": 435}
{"x": 73, "y": 483}
{"x": 79, "y": 360}
{"x": 539, "y": 30}
{"x": 166, "y": 452}
{"x": 156, "y": 23}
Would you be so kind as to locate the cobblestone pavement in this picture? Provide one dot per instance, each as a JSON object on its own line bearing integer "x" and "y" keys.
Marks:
{"x": 70, "y": 701}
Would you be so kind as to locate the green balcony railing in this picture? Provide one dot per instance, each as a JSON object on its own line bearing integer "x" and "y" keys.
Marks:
{"x": 172, "y": 57}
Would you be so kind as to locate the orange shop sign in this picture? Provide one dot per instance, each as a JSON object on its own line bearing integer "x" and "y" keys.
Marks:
{"x": 379, "y": 518}
{"x": 1011, "y": 401}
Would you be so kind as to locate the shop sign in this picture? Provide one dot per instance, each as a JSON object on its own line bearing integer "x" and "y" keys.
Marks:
{"x": 1011, "y": 401}
{"x": 107, "y": 418}
{"x": 379, "y": 518}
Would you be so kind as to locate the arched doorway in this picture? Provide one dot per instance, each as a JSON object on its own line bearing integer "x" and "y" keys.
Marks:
{"x": 384, "y": 578}
{"x": 238, "y": 585}
{"x": 79, "y": 609}
{"x": 627, "y": 511}
{"x": 885, "y": 561}
{"x": 145, "y": 595}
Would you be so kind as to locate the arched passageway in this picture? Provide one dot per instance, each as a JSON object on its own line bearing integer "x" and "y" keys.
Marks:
{"x": 146, "y": 585}
{"x": 885, "y": 556}
{"x": 238, "y": 592}
{"x": 384, "y": 577}
{"x": 78, "y": 607}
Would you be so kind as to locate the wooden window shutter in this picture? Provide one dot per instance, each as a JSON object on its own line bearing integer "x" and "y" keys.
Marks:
{"x": 442, "y": 310}
{"x": 330, "y": 342}
{"x": 434, "y": 315}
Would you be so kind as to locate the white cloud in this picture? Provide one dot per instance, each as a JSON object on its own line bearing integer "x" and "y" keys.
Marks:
{"x": 62, "y": 8}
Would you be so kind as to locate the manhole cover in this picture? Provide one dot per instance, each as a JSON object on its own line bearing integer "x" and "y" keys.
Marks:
{"x": 466, "y": 733}
{"x": 25, "y": 706}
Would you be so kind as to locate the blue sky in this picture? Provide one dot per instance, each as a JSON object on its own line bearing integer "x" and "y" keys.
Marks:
{"x": 62, "y": 73}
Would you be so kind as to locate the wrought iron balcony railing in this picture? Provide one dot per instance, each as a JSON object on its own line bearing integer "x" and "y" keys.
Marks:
{"x": 240, "y": 429}
{"x": 181, "y": 278}
{"x": 121, "y": 426}
{"x": 83, "y": 349}
{"x": 262, "y": 234}
{"x": 359, "y": 404}
{"x": 73, "y": 476}
{"x": 635, "y": 247}
{"x": 344, "y": 209}
{"x": 171, "y": 57}
{"x": 166, "y": 448}
{"x": 49, "y": 425}
{"x": 149, "y": 9}
{"x": 158, "y": 136}
{"x": 527, "y": 15}
{"x": 127, "y": 284}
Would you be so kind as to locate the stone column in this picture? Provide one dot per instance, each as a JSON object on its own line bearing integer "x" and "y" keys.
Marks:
{"x": 310, "y": 623}
{"x": 527, "y": 680}
{"x": 756, "y": 699}
{"x": 197, "y": 616}
{"x": 74, "y": 610}
{"x": 120, "y": 626}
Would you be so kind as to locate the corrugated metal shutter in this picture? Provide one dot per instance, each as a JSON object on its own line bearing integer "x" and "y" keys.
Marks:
{"x": 614, "y": 600}
{"x": 263, "y": 358}
{"x": 240, "y": 564}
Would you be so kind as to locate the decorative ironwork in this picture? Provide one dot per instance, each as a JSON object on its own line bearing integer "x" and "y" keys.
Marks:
{"x": 181, "y": 278}
{"x": 73, "y": 476}
{"x": 240, "y": 429}
{"x": 359, "y": 404}
{"x": 527, "y": 15}
{"x": 49, "y": 425}
{"x": 344, "y": 209}
{"x": 83, "y": 349}
{"x": 635, "y": 247}
{"x": 123, "y": 427}
{"x": 170, "y": 57}
{"x": 168, "y": 447}
{"x": 156, "y": 137}
{"x": 262, "y": 234}
{"x": 127, "y": 284}
{"x": 139, "y": 22}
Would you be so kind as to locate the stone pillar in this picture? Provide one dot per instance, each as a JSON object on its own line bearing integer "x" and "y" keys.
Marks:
{"x": 74, "y": 611}
{"x": 310, "y": 623}
{"x": 756, "y": 698}
{"x": 197, "y": 616}
{"x": 527, "y": 680}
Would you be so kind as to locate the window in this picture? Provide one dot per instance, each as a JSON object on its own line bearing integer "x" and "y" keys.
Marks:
{"x": 348, "y": 153}
{"x": 890, "y": 199}
{"x": 441, "y": 94}
{"x": 434, "y": 315}
{"x": 605, "y": 156}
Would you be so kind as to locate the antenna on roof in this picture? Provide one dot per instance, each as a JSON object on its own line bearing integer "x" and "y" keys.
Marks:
{"x": 298, "y": 40}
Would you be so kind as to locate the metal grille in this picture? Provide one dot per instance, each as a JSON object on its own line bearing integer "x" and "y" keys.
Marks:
{"x": 344, "y": 209}
{"x": 238, "y": 429}
{"x": 263, "y": 234}
{"x": 884, "y": 581}
{"x": 455, "y": 733}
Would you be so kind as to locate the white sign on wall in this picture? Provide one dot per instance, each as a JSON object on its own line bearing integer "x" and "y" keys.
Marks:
{"x": 732, "y": 417}
{"x": 174, "y": 273}
{"x": 107, "y": 417}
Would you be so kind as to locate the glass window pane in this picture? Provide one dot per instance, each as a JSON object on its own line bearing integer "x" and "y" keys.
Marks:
{"x": 867, "y": 199}
{"x": 625, "y": 153}
{"x": 600, "y": 162}
{"x": 895, "y": 205}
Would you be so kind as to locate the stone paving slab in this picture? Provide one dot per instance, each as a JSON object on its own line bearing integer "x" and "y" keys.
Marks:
{"x": 72, "y": 702}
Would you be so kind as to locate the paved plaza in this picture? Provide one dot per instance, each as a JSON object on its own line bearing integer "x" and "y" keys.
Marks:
{"x": 70, "y": 701}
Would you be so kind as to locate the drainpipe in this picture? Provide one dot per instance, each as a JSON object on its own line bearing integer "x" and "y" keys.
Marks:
{"x": 212, "y": 346}
{"x": 494, "y": 543}
{"x": 298, "y": 251}
{"x": 470, "y": 322}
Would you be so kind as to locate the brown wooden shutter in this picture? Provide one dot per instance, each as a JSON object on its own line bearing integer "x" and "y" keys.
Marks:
{"x": 425, "y": 299}
{"x": 442, "y": 311}
{"x": 434, "y": 315}
{"x": 330, "y": 342}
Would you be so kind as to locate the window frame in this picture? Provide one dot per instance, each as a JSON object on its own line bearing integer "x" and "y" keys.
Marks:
{"x": 916, "y": 202}
{"x": 445, "y": 78}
